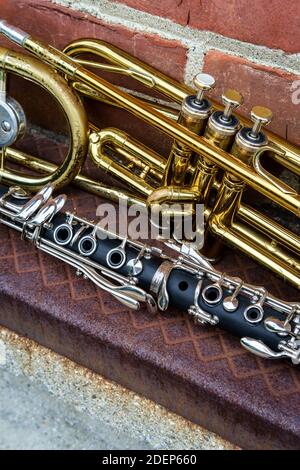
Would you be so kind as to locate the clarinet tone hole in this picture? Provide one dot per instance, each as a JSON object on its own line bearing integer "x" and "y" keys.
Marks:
{"x": 115, "y": 258}
{"x": 63, "y": 234}
{"x": 87, "y": 246}
{"x": 253, "y": 314}
{"x": 212, "y": 295}
{"x": 183, "y": 285}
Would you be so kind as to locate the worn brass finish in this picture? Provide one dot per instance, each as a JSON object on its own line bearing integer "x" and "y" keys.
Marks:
{"x": 38, "y": 72}
{"x": 195, "y": 111}
{"x": 135, "y": 155}
{"x": 81, "y": 181}
{"x": 230, "y": 220}
{"x": 156, "y": 80}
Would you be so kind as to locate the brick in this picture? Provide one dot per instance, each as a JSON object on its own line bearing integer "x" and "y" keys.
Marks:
{"x": 177, "y": 10}
{"x": 260, "y": 86}
{"x": 276, "y": 22}
{"x": 58, "y": 26}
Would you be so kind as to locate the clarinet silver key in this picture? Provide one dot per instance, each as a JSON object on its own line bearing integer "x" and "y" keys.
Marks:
{"x": 52, "y": 207}
{"x": 213, "y": 293}
{"x": 259, "y": 348}
{"x": 35, "y": 203}
{"x": 116, "y": 257}
{"x": 231, "y": 303}
{"x": 255, "y": 313}
{"x": 139, "y": 275}
{"x": 277, "y": 326}
{"x": 87, "y": 244}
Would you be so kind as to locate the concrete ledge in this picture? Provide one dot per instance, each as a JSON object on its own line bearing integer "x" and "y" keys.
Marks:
{"x": 113, "y": 415}
{"x": 199, "y": 373}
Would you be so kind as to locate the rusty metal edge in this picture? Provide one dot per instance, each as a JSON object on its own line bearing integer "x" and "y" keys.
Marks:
{"x": 185, "y": 399}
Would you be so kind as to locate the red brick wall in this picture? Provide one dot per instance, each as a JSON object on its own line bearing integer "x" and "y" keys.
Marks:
{"x": 272, "y": 23}
{"x": 258, "y": 84}
{"x": 265, "y": 75}
{"x": 58, "y": 26}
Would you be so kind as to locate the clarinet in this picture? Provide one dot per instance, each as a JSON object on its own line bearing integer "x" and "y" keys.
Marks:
{"x": 137, "y": 274}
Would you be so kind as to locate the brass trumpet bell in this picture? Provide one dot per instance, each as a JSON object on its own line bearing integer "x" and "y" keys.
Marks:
{"x": 46, "y": 77}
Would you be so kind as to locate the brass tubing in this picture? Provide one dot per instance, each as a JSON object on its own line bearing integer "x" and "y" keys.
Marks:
{"x": 263, "y": 223}
{"x": 259, "y": 250}
{"x": 113, "y": 168}
{"x": 159, "y": 81}
{"x": 173, "y": 89}
{"x": 81, "y": 181}
{"x": 255, "y": 244}
{"x": 167, "y": 194}
{"x": 164, "y": 109}
{"x": 200, "y": 145}
{"x": 279, "y": 254}
{"x": 133, "y": 163}
{"x": 145, "y": 79}
{"x": 180, "y": 157}
{"x": 43, "y": 75}
{"x": 84, "y": 182}
{"x": 120, "y": 139}
{"x": 269, "y": 227}
{"x": 289, "y": 160}
{"x": 263, "y": 251}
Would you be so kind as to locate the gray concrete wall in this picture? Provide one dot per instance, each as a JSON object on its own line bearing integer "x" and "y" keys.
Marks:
{"x": 49, "y": 402}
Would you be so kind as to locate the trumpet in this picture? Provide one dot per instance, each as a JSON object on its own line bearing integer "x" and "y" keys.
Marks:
{"x": 213, "y": 152}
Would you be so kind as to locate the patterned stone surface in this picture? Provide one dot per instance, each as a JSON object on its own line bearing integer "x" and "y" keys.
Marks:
{"x": 201, "y": 373}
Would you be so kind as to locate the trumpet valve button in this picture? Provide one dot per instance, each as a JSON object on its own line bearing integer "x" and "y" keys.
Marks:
{"x": 232, "y": 99}
{"x": 203, "y": 83}
{"x": 260, "y": 116}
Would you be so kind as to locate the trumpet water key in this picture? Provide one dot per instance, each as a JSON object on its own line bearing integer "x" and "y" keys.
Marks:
{"x": 138, "y": 274}
{"x": 215, "y": 156}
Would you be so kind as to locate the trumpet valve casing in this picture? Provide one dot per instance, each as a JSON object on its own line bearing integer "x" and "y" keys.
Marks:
{"x": 220, "y": 130}
{"x": 249, "y": 140}
{"x": 195, "y": 111}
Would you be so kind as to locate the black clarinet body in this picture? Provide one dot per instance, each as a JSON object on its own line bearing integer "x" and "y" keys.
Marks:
{"x": 181, "y": 287}
{"x": 136, "y": 273}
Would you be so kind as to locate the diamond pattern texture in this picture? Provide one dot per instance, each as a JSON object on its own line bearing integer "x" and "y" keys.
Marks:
{"x": 253, "y": 402}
